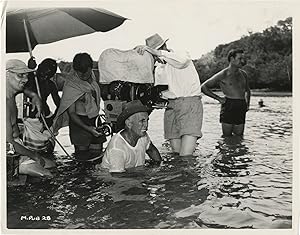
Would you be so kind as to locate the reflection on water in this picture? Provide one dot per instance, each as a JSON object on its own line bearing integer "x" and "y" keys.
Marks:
{"x": 229, "y": 183}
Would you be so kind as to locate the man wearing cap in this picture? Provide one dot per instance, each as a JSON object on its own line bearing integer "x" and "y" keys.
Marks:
{"x": 184, "y": 113}
{"x": 127, "y": 149}
{"x": 16, "y": 78}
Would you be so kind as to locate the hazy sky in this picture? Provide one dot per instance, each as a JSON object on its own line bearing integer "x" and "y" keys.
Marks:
{"x": 195, "y": 26}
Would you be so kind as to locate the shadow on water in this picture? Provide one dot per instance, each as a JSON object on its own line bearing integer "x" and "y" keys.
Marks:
{"x": 236, "y": 183}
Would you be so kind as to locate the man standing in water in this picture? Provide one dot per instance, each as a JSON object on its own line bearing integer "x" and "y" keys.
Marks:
{"x": 184, "y": 113}
{"x": 234, "y": 84}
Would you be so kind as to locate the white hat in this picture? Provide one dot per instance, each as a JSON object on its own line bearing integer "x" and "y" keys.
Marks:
{"x": 17, "y": 66}
{"x": 155, "y": 41}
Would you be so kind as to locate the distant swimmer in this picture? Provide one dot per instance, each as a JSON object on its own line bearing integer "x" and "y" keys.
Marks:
{"x": 261, "y": 103}
{"x": 233, "y": 82}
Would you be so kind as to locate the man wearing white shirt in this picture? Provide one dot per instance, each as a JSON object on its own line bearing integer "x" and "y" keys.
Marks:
{"x": 127, "y": 149}
{"x": 184, "y": 113}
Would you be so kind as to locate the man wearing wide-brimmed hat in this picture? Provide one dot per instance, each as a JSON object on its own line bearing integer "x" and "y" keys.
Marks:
{"x": 127, "y": 149}
{"x": 184, "y": 114}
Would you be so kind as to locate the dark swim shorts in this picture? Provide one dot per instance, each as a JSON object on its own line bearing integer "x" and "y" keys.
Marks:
{"x": 233, "y": 111}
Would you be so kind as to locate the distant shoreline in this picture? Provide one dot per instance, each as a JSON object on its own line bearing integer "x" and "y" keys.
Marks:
{"x": 270, "y": 93}
{"x": 265, "y": 92}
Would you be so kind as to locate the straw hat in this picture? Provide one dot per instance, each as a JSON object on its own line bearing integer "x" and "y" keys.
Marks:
{"x": 155, "y": 41}
{"x": 129, "y": 109}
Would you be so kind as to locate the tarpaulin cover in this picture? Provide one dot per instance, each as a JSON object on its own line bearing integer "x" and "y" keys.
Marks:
{"x": 128, "y": 66}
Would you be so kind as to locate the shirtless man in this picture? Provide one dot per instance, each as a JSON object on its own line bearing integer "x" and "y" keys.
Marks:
{"x": 234, "y": 84}
{"x": 16, "y": 78}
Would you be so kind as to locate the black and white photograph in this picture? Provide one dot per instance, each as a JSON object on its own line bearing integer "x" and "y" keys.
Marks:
{"x": 164, "y": 116}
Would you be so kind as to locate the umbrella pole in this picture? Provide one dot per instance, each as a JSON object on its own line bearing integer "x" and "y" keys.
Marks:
{"x": 38, "y": 88}
{"x": 30, "y": 52}
{"x": 27, "y": 38}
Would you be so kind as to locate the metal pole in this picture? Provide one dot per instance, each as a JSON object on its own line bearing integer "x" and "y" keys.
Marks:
{"x": 27, "y": 38}
{"x": 38, "y": 87}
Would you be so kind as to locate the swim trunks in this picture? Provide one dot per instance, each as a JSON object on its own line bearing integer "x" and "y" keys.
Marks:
{"x": 233, "y": 111}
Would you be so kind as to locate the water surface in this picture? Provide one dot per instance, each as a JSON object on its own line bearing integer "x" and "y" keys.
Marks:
{"x": 229, "y": 183}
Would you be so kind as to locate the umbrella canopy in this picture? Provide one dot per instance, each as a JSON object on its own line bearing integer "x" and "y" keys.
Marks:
{"x": 54, "y": 24}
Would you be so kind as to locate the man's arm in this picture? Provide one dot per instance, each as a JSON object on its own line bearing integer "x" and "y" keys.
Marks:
{"x": 176, "y": 60}
{"x": 153, "y": 153}
{"x": 55, "y": 96}
{"x": 36, "y": 101}
{"x": 248, "y": 91}
{"x": 211, "y": 82}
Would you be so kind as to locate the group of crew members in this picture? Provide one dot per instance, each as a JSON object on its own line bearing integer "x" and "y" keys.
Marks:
{"x": 79, "y": 106}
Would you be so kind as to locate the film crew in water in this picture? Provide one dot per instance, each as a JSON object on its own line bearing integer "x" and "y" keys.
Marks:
{"x": 30, "y": 162}
{"x": 127, "y": 149}
{"x": 233, "y": 82}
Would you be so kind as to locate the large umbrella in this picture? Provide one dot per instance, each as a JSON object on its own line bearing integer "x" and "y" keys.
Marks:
{"x": 25, "y": 28}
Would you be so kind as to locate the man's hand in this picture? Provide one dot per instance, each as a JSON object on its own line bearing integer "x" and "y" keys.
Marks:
{"x": 37, "y": 104}
{"x": 142, "y": 48}
{"x": 94, "y": 131}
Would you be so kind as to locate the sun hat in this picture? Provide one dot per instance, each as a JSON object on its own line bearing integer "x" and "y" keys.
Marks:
{"x": 17, "y": 66}
{"x": 129, "y": 109}
{"x": 155, "y": 41}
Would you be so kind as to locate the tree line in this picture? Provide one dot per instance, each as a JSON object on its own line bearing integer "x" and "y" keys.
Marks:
{"x": 268, "y": 54}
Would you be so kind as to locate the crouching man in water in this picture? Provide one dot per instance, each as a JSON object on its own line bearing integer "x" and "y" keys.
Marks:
{"x": 127, "y": 149}
{"x": 234, "y": 84}
{"x": 31, "y": 162}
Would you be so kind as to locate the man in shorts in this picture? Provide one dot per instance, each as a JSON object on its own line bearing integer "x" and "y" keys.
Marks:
{"x": 184, "y": 113}
{"x": 127, "y": 148}
{"x": 233, "y": 82}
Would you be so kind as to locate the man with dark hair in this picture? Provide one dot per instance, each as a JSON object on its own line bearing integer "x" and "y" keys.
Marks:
{"x": 233, "y": 82}
{"x": 45, "y": 71}
{"x": 79, "y": 108}
{"x": 82, "y": 62}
